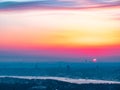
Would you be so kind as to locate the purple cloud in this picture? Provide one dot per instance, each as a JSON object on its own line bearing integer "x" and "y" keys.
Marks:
{"x": 27, "y": 4}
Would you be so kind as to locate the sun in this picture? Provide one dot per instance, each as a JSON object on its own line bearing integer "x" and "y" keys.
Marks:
{"x": 94, "y": 60}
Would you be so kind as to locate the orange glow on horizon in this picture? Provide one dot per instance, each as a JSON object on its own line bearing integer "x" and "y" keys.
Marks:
{"x": 72, "y": 29}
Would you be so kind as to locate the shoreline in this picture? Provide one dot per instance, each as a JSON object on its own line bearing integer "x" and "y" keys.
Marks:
{"x": 64, "y": 79}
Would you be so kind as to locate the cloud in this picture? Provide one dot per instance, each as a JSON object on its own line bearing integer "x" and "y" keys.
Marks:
{"x": 25, "y": 4}
{"x": 33, "y": 4}
{"x": 19, "y": 0}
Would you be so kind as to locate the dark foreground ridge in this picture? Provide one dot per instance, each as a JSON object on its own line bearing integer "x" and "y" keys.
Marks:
{"x": 35, "y": 84}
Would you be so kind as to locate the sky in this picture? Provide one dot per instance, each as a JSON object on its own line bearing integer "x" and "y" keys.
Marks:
{"x": 60, "y": 30}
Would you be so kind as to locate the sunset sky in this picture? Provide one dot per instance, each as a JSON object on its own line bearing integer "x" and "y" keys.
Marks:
{"x": 59, "y": 30}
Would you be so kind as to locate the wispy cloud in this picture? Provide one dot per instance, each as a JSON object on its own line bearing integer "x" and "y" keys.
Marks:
{"x": 25, "y": 4}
